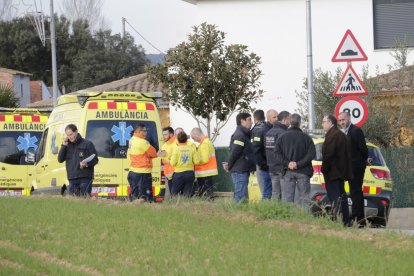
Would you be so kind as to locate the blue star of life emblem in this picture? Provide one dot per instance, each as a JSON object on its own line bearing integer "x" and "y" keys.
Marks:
{"x": 26, "y": 142}
{"x": 122, "y": 133}
{"x": 185, "y": 158}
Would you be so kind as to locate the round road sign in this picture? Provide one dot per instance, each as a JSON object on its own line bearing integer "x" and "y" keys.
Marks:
{"x": 354, "y": 106}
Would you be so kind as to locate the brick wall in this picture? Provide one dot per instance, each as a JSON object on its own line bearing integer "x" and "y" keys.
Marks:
{"x": 6, "y": 77}
{"x": 35, "y": 91}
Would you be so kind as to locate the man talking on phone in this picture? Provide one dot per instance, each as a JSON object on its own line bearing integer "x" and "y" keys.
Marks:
{"x": 81, "y": 157}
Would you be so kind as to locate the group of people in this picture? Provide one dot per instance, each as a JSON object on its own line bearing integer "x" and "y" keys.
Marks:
{"x": 281, "y": 154}
{"x": 183, "y": 163}
{"x": 277, "y": 150}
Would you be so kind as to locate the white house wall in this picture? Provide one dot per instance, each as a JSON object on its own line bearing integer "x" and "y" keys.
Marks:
{"x": 276, "y": 31}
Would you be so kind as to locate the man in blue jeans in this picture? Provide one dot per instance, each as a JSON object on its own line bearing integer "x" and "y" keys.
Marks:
{"x": 259, "y": 131}
{"x": 241, "y": 160}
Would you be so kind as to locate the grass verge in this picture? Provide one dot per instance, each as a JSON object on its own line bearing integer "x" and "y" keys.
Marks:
{"x": 53, "y": 235}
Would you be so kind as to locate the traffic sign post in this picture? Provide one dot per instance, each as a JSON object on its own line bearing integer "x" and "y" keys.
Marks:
{"x": 349, "y": 50}
{"x": 350, "y": 84}
{"x": 356, "y": 107}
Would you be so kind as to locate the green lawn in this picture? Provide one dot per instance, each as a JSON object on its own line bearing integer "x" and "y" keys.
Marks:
{"x": 53, "y": 235}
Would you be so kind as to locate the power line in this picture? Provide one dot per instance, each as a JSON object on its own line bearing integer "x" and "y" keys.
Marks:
{"x": 161, "y": 52}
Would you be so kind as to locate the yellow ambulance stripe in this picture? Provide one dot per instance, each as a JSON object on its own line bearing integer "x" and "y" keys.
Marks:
{"x": 102, "y": 105}
{"x": 122, "y": 105}
{"x": 141, "y": 106}
{"x": 372, "y": 190}
{"x": 43, "y": 119}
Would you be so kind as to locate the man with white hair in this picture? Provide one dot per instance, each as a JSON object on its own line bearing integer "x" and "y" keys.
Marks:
{"x": 207, "y": 168}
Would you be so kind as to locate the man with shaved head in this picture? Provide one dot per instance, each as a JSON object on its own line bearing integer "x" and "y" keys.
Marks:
{"x": 207, "y": 167}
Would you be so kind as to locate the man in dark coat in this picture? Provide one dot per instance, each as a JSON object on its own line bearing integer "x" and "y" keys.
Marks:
{"x": 241, "y": 159}
{"x": 336, "y": 167}
{"x": 259, "y": 130}
{"x": 359, "y": 153}
{"x": 295, "y": 150}
{"x": 275, "y": 168}
{"x": 76, "y": 151}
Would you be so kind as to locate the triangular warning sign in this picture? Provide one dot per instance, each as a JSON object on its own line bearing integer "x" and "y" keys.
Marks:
{"x": 350, "y": 84}
{"x": 349, "y": 49}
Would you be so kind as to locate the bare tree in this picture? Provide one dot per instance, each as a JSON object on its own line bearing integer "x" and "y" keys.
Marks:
{"x": 88, "y": 10}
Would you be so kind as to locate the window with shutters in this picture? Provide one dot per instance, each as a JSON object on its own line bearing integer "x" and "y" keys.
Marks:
{"x": 393, "y": 19}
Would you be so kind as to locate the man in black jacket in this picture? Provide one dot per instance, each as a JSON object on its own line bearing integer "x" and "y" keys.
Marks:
{"x": 275, "y": 168}
{"x": 74, "y": 151}
{"x": 336, "y": 167}
{"x": 295, "y": 150}
{"x": 240, "y": 162}
{"x": 258, "y": 136}
{"x": 359, "y": 153}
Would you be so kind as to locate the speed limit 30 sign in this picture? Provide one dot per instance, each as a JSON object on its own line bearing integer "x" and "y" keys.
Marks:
{"x": 356, "y": 107}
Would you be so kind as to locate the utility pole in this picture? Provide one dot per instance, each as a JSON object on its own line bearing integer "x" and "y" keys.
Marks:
{"x": 123, "y": 27}
{"x": 53, "y": 46}
{"x": 310, "y": 66}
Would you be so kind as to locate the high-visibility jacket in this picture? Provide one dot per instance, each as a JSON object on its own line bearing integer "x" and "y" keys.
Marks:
{"x": 169, "y": 149}
{"x": 184, "y": 157}
{"x": 208, "y": 161}
{"x": 140, "y": 153}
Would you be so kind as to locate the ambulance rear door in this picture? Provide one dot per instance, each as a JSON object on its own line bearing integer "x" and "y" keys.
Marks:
{"x": 14, "y": 176}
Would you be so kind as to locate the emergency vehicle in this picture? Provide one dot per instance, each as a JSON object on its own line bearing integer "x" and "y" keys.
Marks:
{"x": 20, "y": 129}
{"x": 107, "y": 119}
{"x": 376, "y": 186}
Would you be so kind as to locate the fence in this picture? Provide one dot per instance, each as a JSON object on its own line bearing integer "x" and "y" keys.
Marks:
{"x": 400, "y": 161}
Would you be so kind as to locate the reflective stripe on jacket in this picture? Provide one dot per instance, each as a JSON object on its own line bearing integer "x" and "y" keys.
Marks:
{"x": 208, "y": 161}
{"x": 169, "y": 149}
{"x": 140, "y": 153}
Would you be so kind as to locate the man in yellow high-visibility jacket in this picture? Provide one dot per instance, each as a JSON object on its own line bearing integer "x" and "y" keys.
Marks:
{"x": 141, "y": 153}
{"x": 169, "y": 143}
{"x": 208, "y": 163}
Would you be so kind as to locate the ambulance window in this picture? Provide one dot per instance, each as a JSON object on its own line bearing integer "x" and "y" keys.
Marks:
{"x": 14, "y": 146}
{"x": 111, "y": 137}
{"x": 42, "y": 146}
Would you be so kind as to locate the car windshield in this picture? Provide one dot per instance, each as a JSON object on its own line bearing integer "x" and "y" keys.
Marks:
{"x": 14, "y": 146}
{"x": 111, "y": 137}
{"x": 374, "y": 153}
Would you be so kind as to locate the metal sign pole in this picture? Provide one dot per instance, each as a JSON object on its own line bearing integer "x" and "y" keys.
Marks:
{"x": 53, "y": 46}
{"x": 310, "y": 66}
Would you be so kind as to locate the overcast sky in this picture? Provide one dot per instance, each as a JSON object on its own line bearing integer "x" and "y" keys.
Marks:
{"x": 164, "y": 23}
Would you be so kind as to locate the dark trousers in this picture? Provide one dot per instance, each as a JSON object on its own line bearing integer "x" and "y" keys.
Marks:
{"x": 337, "y": 196}
{"x": 357, "y": 196}
{"x": 205, "y": 186}
{"x": 141, "y": 185}
{"x": 80, "y": 187}
{"x": 182, "y": 183}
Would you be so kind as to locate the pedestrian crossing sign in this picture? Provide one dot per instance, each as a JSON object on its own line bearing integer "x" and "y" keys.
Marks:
{"x": 349, "y": 50}
{"x": 350, "y": 84}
